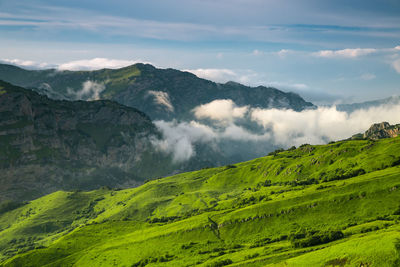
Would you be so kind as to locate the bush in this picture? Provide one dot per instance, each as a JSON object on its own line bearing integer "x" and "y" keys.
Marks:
{"x": 274, "y": 153}
{"x": 230, "y": 166}
{"x": 252, "y": 256}
{"x": 317, "y": 239}
{"x": 221, "y": 263}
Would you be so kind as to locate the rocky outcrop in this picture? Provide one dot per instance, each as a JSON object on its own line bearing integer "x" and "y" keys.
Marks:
{"x": 382, "y": 130}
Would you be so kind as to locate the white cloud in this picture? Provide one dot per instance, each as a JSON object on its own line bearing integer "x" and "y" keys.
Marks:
{"x": 247, "y": 77}
{"x": 289, "y": 86}
{"x": 345, "y": 53}
{"x": 321, "y": 125}
{"x": 396, "y": 65}
{"x": 368, "y": 76}
{"x": 180, "y": 137}
{"x": 216, "y": 75}
{"x": 280, "y": 127}
{"x": 95, "y": 64}
{"x": 162, "y": 98}
{"x": 397, "y": 47}
{"x": 90, "y": 91}
{"x": 284, "y": 52}
{"x": 27, "y": 63}
{"x": 257, "y": 52}
{"x": 223, "y": 110}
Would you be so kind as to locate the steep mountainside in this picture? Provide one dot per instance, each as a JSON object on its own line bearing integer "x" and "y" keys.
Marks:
{"x": 48, "y": 145}
{"x": 330, "y": 205}
{"x": 160, "y": 93}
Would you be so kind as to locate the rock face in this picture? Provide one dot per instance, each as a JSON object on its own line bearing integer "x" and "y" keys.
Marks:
{"x": 382, "y": 130}
{"x": 161, "y": 93}
{"x": 48, "y": 145}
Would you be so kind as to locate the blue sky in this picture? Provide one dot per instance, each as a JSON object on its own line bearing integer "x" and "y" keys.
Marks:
{"x": 325, "y": 50}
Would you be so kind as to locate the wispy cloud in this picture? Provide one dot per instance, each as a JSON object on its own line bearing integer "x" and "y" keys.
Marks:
{"x": 96, "y": 63}
{"x": 106, "y": 24}
{"x": 162, "y": 99}
{"x": 396, "y": 65}
{"x": 345, "y": 53}
{"x": 289, "y": 86}
{"x": 247, "y": 77}
{"x": 84, "y": 64}
{"x": 91, "y": 90}
{"x": 368, "y": 76}
{"x": 27, "y": 63}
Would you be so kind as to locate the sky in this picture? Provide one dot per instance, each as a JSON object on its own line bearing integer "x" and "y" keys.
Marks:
{"x": 327, "y": 51}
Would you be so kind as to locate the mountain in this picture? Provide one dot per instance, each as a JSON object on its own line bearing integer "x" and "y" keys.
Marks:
{"x": 326, "y": 205}
{"x": 161, "y": 93}
{"x": 48, "y": 145}
{"x": 394, "y": 100}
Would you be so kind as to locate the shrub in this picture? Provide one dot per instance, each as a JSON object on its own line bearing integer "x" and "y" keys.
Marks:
{"x": 317, "y": 239}
{"x": 221, "y": 263}
{"x": 274, "y": 153}
{"x": 230, "y": 166}
{"x": 252, "y": 256}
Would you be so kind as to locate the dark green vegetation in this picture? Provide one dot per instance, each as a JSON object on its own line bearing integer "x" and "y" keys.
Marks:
{"x": 150, "y": 89}
{"x": 330, "y": 205}
{"x": 48, "y": 145}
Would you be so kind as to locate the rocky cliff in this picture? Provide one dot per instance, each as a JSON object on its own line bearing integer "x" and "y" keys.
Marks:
{"x": 47, "y": 145}
{"x": 382, "y": 130}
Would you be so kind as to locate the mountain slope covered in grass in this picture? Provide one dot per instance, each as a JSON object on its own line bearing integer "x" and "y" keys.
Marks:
{"x": 161, "y": 93}
{"x": 328, "y": 205}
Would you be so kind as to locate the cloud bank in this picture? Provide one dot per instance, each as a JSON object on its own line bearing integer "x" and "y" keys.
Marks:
{"x": 279, "y": 127}
{"x": 27, "y": 63}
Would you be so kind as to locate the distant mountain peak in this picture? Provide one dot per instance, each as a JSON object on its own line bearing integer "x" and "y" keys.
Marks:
{"x": 131, "y": 85}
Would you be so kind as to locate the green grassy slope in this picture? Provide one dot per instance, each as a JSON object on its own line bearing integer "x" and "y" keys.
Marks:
{"x": 331, "y": 205}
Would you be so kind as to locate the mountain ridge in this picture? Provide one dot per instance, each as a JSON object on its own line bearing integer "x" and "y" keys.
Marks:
{"x": 160, "y": 93}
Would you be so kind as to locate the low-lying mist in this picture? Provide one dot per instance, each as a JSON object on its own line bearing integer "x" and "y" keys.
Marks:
{"x": 222, "y": 125}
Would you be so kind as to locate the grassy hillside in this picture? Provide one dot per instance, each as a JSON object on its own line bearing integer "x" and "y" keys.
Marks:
{"x": 331, "y": 205}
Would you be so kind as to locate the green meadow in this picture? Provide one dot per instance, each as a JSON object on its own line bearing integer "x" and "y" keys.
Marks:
{"x": 327, "y": 205}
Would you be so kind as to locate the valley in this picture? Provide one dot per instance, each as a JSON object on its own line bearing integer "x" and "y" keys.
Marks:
{"x": 312, "y": 205}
